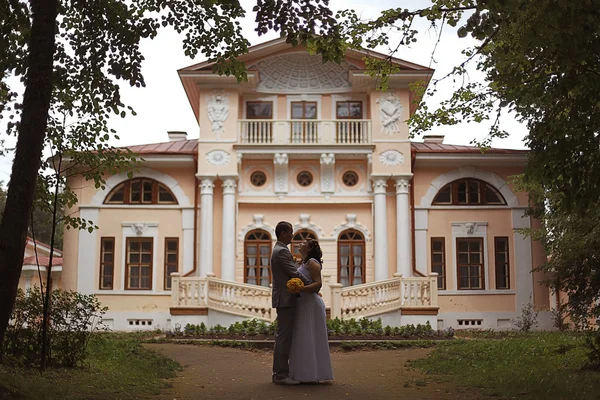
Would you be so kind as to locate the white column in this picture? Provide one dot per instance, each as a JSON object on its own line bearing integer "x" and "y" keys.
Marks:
{"x": 206, "y": 226}
{"x": 381, "y": 239}
{"x": 228, "y": 230}
{"x": 403, "y": 247}
{"x": 187, "y": 224}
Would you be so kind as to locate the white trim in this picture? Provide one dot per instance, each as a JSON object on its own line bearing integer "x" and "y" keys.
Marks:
{"x": 475, "y": 292}
{"x": 305, "y": 223}
{"x": 187, "y": 243}
{"x": 469, "y": 172}
{"x": 161, "y": 177}
{"x": 457, "y": 208}
{"x": 303, "y": 97}
{"x": 461, "y": 230}
{"x": 217, "y": 141}
{"x": 148, "y": 230}
{"x": 257, "y": 223}
{"x": 351, "y": 224}
{"x": 522, "y": 257}
{"x": 256, "y": 97}
{"x": 87, "y": 278}
{"x": 391, "y": 141}
{"x": 171, "y": 158}
{"x": 291, "y": 149}
{"x": 139, "y": 207}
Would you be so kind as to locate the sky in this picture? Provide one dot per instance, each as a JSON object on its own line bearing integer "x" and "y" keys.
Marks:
{"x": 163, "y": 106}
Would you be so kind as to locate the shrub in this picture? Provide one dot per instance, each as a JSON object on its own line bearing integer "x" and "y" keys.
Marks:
{"x": 592, "y": 342}
{"x": 74, "y": 317}
{"x": 528, "y": 318}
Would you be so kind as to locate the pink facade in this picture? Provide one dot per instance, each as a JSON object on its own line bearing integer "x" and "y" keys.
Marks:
{"x": 317, "y": 146}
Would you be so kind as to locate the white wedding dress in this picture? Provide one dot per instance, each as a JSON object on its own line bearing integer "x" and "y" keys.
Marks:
{"x": 309, "y": 355}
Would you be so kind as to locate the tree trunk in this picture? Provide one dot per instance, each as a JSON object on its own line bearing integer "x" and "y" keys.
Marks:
{"x": 26, "y": 164}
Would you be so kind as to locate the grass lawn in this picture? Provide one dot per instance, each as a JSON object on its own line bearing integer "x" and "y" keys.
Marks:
{"x": 118, "y": 368}
{"x": 534, "y": 366}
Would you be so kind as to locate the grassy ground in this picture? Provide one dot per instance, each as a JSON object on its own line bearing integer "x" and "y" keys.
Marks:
{"x": 535, "y": 366}
{"x": 118, "y": 368}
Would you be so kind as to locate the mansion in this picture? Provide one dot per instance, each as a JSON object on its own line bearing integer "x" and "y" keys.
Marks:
{"x": 411, "y": 232}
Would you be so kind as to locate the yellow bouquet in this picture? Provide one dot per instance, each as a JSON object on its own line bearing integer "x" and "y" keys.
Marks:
{"x": 295, "y": 285}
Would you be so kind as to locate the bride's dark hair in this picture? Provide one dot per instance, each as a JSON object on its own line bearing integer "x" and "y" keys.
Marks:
{"x": 314, "y": 251}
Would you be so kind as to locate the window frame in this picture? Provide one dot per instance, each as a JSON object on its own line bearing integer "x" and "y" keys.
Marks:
{"x": 126, "y": 186}
{"x": 127, "y": 264}
{"x": 103, "y": 263}
{"x": 347, "y": 102}
{"x": 507, "y": 262}
{"x": 482, "y": 194}
{"x": 304, "y": 104}
{"x": 248, "y": 102}
{"x": 257, "y": 243}
{"x": 441, "y": 278}
{"x": 349, "y": 242}
{"x": 167, "y": 282}
{"x": 482, "y": 265}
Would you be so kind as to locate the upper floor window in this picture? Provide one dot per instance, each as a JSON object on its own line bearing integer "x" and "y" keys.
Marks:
{"x": 140, "y": 191}
{"x": 348, "y": 110}
{"x": 304, "y": 110}
{"x": 259, "y": 109}
{"x": 469, "y": 192}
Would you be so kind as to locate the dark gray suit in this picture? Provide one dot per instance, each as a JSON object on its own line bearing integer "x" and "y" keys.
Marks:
{"x": 283, "y": 269}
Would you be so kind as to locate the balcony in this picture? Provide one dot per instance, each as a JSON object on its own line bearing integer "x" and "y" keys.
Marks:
{"x": 347, "y": 132}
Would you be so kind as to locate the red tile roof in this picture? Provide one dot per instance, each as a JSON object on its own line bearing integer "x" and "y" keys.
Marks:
{"x": 450, "y": 148}
{"x": 44, "y": 261}
{"x": 177, "y": 147}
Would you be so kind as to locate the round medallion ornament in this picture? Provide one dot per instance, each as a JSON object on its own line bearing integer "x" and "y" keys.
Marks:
{"x": 218, "y": 158}
{"x": 391, "y": 157}
{"x": 350, "y": 178}
{"x": 304, "y": 178}
{"x": 258, "y": 178}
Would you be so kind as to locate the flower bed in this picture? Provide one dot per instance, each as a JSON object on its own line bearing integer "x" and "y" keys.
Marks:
{"x": 363, "y": 329}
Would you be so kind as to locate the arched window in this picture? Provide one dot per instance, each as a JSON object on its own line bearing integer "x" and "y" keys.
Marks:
{"x": 140, "y": 191}
{"x": 351, "y": 258}
{"x": 257, "y": 258}
{"x": 468, "y": 192}
{"x": 298, "y": 238}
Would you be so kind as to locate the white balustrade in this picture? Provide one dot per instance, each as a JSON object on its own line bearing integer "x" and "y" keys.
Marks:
{"x": 252, "y": 301}
{"x": 305, "y": 131}
{"x": 240, "y": 299}
{"x": 370, "y": 298}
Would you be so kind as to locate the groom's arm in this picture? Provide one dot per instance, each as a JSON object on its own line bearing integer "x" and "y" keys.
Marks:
{"x": 289, "y": 266}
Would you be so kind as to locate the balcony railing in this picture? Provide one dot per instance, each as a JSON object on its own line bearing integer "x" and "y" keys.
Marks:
{"x": 297, "y": 131}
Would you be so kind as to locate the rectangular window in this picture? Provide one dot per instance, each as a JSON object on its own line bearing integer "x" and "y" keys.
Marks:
{"x": 138, "y": 269}
{"x": 469, "y": 261}
{"x": 259, "y": 110}
{"x": 171, "y": 259}
{"x": 438, "y": 260}
{"x": 502, "y": 263}
{"x": 107, "y": 262}
{"x": 304, "y": 110}
{"x": 348, "y": 110}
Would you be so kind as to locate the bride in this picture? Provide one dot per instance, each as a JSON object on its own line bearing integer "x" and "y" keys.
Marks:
{"x": 309, "y": 354}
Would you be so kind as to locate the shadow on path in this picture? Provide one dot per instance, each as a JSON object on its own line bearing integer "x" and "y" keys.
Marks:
{"x": 225, "y": 373}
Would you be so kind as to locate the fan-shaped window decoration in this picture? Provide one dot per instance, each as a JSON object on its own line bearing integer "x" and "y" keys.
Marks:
{"x": 140, "y": 191}
{"x": 298, "y": 238}
{"x": 351, "y": 258}
{"x": 468, "y": 192}
{"x": 257, "y": 258}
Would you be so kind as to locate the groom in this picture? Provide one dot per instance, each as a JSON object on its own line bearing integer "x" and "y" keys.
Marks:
{"x": 283, "y": 268}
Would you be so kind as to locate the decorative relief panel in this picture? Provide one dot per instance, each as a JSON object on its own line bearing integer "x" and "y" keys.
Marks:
{"x": 218, "y": 158}
{"x": 327, "y": 173}
{"x": 351, "y": 224}
{"x": 245, "y": 187}
{"x": 360, "y": 189}
{"x": 139, "y": 228}
{"x": 390, "y": 111}
{"x": 391, "y": 157}
{"x": 301, "y": 71}
{"x": 295, "y": 188}
{"x": 280, "y": 160}
{"x": 306, "y": 224}
{"x": 218, "y": 111}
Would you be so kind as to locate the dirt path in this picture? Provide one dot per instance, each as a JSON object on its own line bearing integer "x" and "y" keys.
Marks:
{"x": 225, "y": 373}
